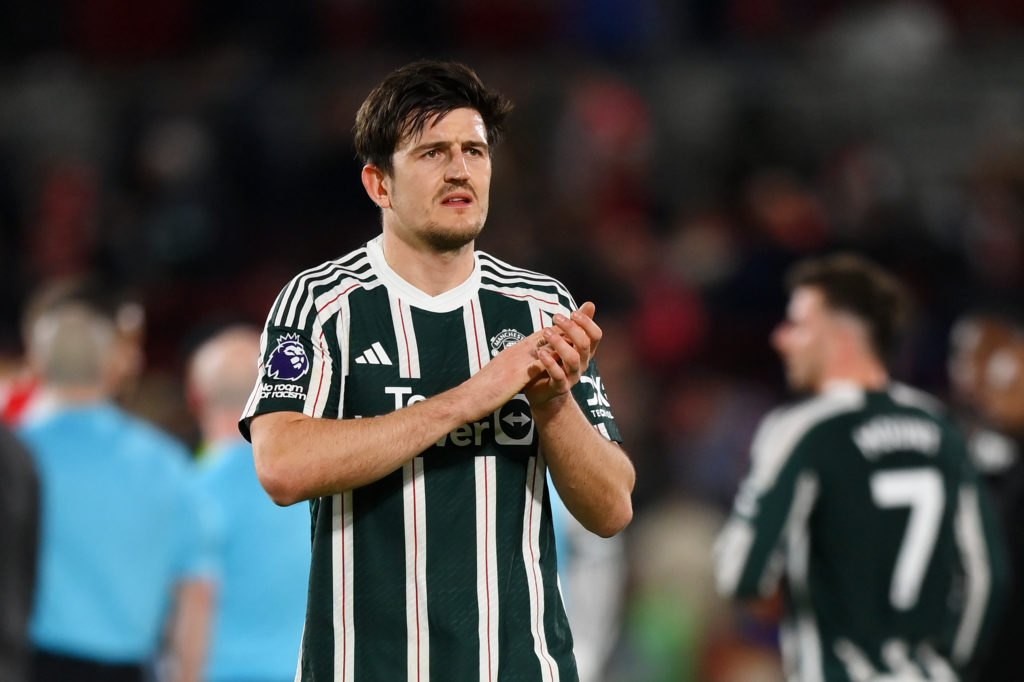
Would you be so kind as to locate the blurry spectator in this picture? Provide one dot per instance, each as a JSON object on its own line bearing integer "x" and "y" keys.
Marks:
{"x": 261, "y": 550}
{"x": 21, "y": 398}
{"x": 19, "y": 534}
{"x": 120, "y": 526}
{"x": 1002, "y": 405}
{"x": 974, "y": 338}
{"x": 872, "y": 593}
{"x": 592, "y": 574}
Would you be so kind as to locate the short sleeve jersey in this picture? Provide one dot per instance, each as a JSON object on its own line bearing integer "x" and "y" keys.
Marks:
{"x": 445, "y": 568}
{"x": 867, "y": 504}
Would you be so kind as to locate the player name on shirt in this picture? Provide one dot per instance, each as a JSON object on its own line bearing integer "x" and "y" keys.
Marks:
{"x": 882, "y": 435}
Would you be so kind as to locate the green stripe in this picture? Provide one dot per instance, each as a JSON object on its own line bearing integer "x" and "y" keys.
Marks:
{"x": 451, "y": 567}
{"x": 318, "y": 636}
{"x": 379, "y": 593}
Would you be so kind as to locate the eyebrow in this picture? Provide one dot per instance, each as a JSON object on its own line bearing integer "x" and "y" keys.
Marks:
{"x": 440, "y": 144}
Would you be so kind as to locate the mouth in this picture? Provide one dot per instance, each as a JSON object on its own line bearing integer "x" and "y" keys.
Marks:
{"x": 457, "y": 200}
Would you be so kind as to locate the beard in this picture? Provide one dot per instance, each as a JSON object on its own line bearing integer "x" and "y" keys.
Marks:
{"x": 445, "y": 239}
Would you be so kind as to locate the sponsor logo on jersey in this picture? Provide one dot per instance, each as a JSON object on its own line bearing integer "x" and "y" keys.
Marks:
{"x": 510, "y": 424}
{"x": 288, "y": 361}
{"x": 504, "y": 339}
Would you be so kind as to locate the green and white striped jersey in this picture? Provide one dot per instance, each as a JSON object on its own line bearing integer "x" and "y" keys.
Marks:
{"x": 867, "y": 503}
{"x": 444, "y": 569}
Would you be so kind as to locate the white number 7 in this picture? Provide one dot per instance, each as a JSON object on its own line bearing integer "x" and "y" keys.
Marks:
{"x": 922, "y": 491}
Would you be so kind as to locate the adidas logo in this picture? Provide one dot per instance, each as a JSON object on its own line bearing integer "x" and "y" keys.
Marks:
{"x": 374, "y": 355}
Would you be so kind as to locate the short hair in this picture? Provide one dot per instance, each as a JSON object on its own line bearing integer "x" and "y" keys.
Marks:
{"x": 862, "y": 288}
{"x": 403, "y": 103}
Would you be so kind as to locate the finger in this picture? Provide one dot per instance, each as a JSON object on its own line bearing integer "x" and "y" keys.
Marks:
{"x": 555, "y": 371}
{"x": 577, "y": 335}
{"x": 584, "y": 317}
{"x": 569, "y": 356}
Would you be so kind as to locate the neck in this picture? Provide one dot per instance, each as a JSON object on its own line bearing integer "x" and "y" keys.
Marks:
{"x": 220, "y": 426}
{"x": 432, "y": 272}
{"x": 866, "y": 373}
{"x": 78, "y": 395}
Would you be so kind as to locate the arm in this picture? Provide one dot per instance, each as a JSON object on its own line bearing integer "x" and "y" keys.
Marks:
{"x": 593, "y": 475}
{"x": 300, "y": 457}
{"x": 777, "y": 495}
{"x": 189, "y": 630}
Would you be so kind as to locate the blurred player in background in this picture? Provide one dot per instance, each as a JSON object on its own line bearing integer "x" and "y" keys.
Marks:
{"x": 261, "y": 551}
{"x": 121, "y": 556}
{"x": 1001, "y": 407}
{"x": 21, "y": 397}
{"x": 863, "y": 497}
{"x": 592, "y": 570}
{"x": 19, "y": 531}
{"x": 417, "y": 391}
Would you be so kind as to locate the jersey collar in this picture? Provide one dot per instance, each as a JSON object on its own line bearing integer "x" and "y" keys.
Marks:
{"x": 442, "y": 303}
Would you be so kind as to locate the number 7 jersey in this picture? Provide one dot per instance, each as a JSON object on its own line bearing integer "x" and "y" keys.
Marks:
{"x": 865, "y": 505}
{"x": 444, "y": 569}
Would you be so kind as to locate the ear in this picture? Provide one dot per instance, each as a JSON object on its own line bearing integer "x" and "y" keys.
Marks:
{"x": 377, "y": 184}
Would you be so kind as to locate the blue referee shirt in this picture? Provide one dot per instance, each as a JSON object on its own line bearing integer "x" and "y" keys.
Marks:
{"x": 120, "y": 527}
{"x": 262, "y": 556}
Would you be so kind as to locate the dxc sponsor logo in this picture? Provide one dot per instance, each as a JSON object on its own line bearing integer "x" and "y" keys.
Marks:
{"x": 511, "y": 424}
{"x": 598, "y": 402}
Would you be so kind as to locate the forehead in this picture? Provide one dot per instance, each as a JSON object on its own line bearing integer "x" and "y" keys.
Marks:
{"x": 462, "y": 125}
{"x": 806, "y": 303}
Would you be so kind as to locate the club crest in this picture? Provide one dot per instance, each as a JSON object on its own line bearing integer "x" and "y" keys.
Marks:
{"x": 504, "y": 339}
{"x": 288, "y": 361}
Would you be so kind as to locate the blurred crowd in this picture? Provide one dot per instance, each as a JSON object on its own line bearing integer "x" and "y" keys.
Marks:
{"x": 666, "y": 160}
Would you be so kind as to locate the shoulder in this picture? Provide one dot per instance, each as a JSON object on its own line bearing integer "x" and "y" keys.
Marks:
{"x": 784, "y": 429}
{"x": 908, "y": 396}
{"x": 316, "y": 286}
{"x": 155, "y": 440}
{"x": 503, "y": 277}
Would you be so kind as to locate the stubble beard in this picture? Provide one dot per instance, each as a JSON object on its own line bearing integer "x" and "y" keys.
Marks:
{"x": 443, "y": 239}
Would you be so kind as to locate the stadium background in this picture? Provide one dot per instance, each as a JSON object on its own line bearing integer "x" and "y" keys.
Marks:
{"x": 667, "y": 160}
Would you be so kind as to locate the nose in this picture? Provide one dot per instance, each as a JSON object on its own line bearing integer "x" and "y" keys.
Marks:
{"x": 779, "y": 336}
{"x": 457, "y": 168}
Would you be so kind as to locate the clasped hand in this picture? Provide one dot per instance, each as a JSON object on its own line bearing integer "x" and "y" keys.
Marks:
{"x": 564, "y": 352}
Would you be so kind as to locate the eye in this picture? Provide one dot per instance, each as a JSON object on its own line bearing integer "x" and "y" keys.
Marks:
{"x": 431, "y": 153}
{"x": 475, "y": 151}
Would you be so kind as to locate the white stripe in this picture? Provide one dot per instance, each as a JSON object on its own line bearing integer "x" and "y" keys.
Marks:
{"x": 732, "y": 548}
{"x": 970, "y": 535}
{"x": 780, "y": 432}
{"x": 544, "y": 298}
{"x": 250, "y": 405}
{"x": 535, "y": 479}
{"x": 302, "y": 286}
{"x": 478, "y": 350}
{"x": 798, "y": 551}
{"x": 602, "y": 428}
{"x": 381, "y": 353}
{"x": 405, "y": 339}
{"x": 370, "y": 357}
{"x": 417, "y": 626}
{"x": 487, "y": 567}
{"x": 343, "y": 278}
{"x": 342, "y": 565}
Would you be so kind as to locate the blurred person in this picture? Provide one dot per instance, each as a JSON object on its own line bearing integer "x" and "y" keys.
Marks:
{"x": 417, "y": 391}
{"x": 19, "y": 536}
{"x": 261, "y": 551}
{"x": 121, "y": 550}
{"x": 21, "y": 397}
{"x": 974, "y": 337}
{"x": 1001, "y": 405}
{"x": 864, "y": 497}
{"x": 592, "y": 575}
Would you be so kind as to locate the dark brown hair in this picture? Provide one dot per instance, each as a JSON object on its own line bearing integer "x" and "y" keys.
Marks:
{"x": 862, "y": 288}
{"x": 411, "y": 96}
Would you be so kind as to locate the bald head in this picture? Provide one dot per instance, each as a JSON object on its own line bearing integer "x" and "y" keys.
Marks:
{"x": 222, "y": 371}
{"x": 72, "y": 346}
